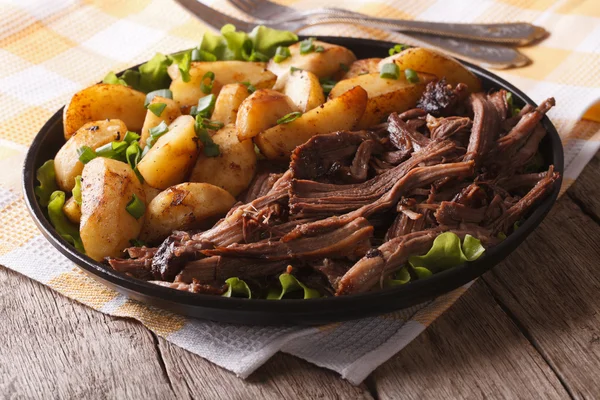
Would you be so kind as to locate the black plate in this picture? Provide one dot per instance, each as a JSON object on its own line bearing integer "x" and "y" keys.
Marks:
{"x": 306, "y": 312}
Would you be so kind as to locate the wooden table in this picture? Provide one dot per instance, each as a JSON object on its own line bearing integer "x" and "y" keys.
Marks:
{"x": 529, "y": 329}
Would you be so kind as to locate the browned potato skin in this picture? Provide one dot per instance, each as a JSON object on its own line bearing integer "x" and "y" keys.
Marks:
{"x": 260, "y": 111}
{"x": 104, "y": 101}
{"x": 151, "y": 192}
{"x": 93, "y": 134}
{"x": 106, "y": 227}
{"x": 342, "y": 113}
{"x": 431, "y": 62}
{"x": 228, "y": 102}
{"x": 169, "y": 114}
{"x": 188, "y": 205}
{"x": 304, "y": 89}
{"x": 72, "y": 210}
{"x": 361, "y": 67}
{"x": 233, "y": 169}
{"x": 385, "y": 95}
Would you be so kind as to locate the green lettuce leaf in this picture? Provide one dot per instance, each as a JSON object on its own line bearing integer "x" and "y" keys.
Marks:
{"x": 239, "y": 45}
{"x": 153, "y": 74}
{"x": 446, "y": 252}
{"x": 266, "y": 40}
{"x": 237, "y": 287}
{"x": 46, "y": 176}
{"x": 64, "y": 227}
{"x": 290, "y": 284}
{"x": 77, "y": 190}
{"x": 401, "y": 277}
{"x": 213, "y": 44}
{"x": 112, "y": 79}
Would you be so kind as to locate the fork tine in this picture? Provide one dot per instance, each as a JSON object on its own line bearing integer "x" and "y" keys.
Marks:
{"x": 213, "y": 17}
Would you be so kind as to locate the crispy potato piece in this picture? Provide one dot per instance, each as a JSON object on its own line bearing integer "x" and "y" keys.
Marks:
{"x": 304, "y": 89}
{"x": 184, "y": 206}
{"x": 106, "y": 226}
{"x": 361, "y": 67}
{"x": 341, "y": 113}
{"x": 432, "y": 62}
{"x": 72, "y": 210}
{"x": 233, "y": 168}
{"x": 260, "y": 111}
{"x": 324, "y": 64}
{"x": 385, "y": 95}
{"x": 169, "y": 114}
{"x": 151, "y": 192}
{"x": 104, "y": 101}
{"x": 92, "y": 134}
{"x": 170, "y": 159}
{"x": 228, "y": 102}
{"x": 188, "y": 93}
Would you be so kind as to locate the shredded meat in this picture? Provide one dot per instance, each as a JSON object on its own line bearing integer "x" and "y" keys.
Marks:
{"x": 440, "y": 98}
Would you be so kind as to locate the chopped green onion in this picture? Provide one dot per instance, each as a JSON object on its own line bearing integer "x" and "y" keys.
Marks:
{"x": 327, "y": 84}
{"x": 114, "y": 150}
{"x": 251, "y": 88}
{"x": 212, "y": 125}
{"x": 411, "y": 75}
{"x": 206, "y": 105}
{"x": 158, "y": 130}
{"x": 397, "y": 49}
{"x": 257, "y": 56}
{"x": 112, "y": 79}
{"x": 157, "y": 108}
{"x": 319, "y": 49}
{"x": 184, "y": 66}
{"x": 514, "y": 110}
{"x": 137, "y": 242}
{"x": 77, "y": 190}
{"x": 46, "y": 176}
{"x": 130, "y": 137}
{"x": 86, "y": 154}
{"x": 344, "y": 67}
{"x": 136, "y": 207}
{"x": 207, "y": 88}
{"x": 390, "y": 71}
{"x": 133, "y": 155}
{"x": 281, "y": 54}
{"x": 294, "y": 69}
{"x": 166, "y": 93}
{"x": 307, "y": 46}
{"x": 58, "y": 219}
{"x": 286, "y": 119}
{"x": 237, "y": 288}
{"x": 210, "y": 148}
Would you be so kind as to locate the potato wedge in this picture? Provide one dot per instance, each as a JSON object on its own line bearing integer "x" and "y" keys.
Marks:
{"x": 104, "y": 101}
{"x": 170, "y": 159}
{"x": 188, "y": 93}
{"x": 184, "y": 206}
{"x": 385, "y": 95}
{"x": 324, "y": 64}
{"x": 304, "y": 89}
{"x": 233, "y": 168}
{"x": 151, "y": 192}
{"x": 260, "y": 111}
{"x": 341, "y": 113}
{"x": 168, "y": 115}
{"x": 434, "y": 63}
{"x": 361, "y": 67}
{"x": 106, "y": 226}
{"x": 72, "y": 210}
{"x": 92, "y": 134}
{"x": 228, "y": 102}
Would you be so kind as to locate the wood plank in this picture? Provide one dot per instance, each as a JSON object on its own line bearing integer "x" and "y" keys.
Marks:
{"x": 282, "y": 377}
{"x": 551, "y": 285}
{"x": 474, "y": 351}
{"x": 586, "y": 188}
{"x": 53, "y": 347}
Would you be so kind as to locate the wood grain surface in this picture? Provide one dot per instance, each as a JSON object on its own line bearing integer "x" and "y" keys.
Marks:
{"x": 530, "y": 328}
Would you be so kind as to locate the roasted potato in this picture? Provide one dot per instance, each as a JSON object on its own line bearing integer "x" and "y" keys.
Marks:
{"x": 104, "y": 101}
{"x": 72, "y": 210}
{"x": 233, "y": 168}
{"x": 304, "y": 89}
{"x": 188, "y": 93}
{"x": 341, "y": 113}
{"x": 323, "y": 64}
{"x": 93, "y": 135}
{"x": 170, "y": 159}
{"x": 169, "y": 114}
{"x": 434, "y": 63}
{"x": 228, "y": 102}
{"x": 361, "y": 67}
{"x": 260, "y": 111}
{"x": 151, "y": 192}
{"x": 107, "y": 187}
{"x": 184, "y": 206}
{"x": 385, "y": 95}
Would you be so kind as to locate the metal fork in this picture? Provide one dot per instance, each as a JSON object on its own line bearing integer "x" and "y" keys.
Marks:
{"x": 487, "y": 55}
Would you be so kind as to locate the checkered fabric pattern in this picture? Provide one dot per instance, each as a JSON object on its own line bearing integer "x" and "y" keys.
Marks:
{"x": 51, "y": 49}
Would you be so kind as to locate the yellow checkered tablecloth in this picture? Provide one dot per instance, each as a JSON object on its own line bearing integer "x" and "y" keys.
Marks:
{"x": 51, "y": 49}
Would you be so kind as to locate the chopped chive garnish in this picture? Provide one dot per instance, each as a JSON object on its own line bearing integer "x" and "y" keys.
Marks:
{"x": 286, "y": 119}
{"x": 307, "y": 46}
{"x": 77, "y": 190}
{"x": 133, "y": 155}
{"x": 158, "y": 130}
{"x": 411, "y": 75}
{"x": 281, "y": 54}
{"x": 258, "y": 56}
{"x": 157, "y": 108}
{"x": 390, "y": 71}
{"x": 207, "y": 87}
{"x": 206, "y": 105}
{"x": 344, "y": 67}
{"x": 294, "y": 69}
{"x": 397, "y": 49}
{"x": 212, "y": 125}
{"x": 137, "y": 242}
{"x": 166, "y": 93}
{"x": 86, "y": 154}
{"x": 136, "y": 207}
{"x": 210, "y": 148}
{"x": 327, "y": 84}
{"x": 130, "y": 137}
{"x": 184, "y": 66}
{"x": 319, "y": 49}
{"x": 250, "y": 87}
{"x": 112, "y": 150}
